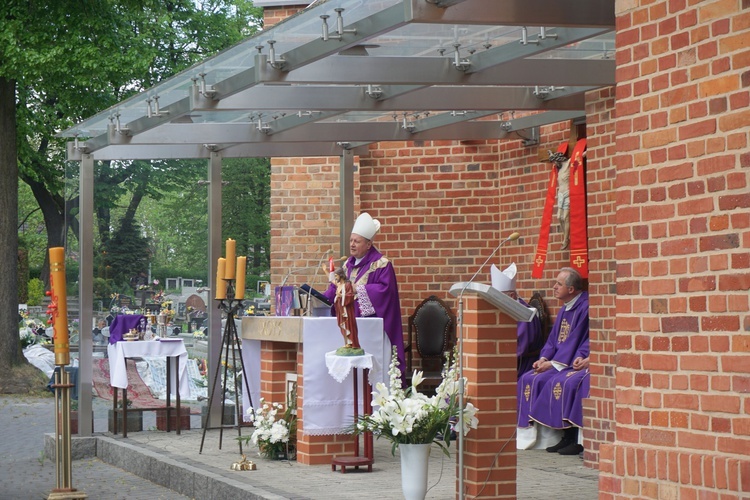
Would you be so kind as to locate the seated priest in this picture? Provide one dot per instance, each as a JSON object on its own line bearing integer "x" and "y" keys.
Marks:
{"x": 529, "y": 333}
{"x": 567, "y": 342}
{"x": 560, "y": 405}
{"x": 374, "y": 280}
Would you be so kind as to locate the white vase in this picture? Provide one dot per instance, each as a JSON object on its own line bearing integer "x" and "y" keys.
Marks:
{"x": 414, "y": 462}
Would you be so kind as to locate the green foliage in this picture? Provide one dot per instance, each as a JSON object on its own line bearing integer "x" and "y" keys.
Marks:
{"x": 246, "y": 210}
{"x": 36, "y": 292}
{"x": 73, "y": 58}
{"x": 32, "y": 236}
{"x": 127, "y": 253}
{"x": 103, "y": 288}
{"x": 23, "y": 273}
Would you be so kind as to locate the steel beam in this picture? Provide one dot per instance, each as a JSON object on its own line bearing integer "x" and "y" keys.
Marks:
{"x": 569, "y": 13}
{"x": 350, "y": 70}
{"x": 395, "y": 98}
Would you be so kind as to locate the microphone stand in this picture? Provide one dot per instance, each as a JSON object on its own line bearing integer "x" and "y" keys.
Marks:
{"x": 312, "y": 282}
{"x": 512, "y": 237}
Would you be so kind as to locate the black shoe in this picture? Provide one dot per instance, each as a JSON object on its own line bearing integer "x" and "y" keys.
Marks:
{"x": 559, "y": 446}
{"x": 571, "y": 449}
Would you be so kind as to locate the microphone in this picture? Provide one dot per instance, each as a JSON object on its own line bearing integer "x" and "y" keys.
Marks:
{"x": 303, "y": 269}
{"x": 312, "y": 281}
{"x": 512, "y": 237}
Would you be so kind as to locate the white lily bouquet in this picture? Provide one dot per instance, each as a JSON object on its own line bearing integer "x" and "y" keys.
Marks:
{"x": 410, "y": 417}
{"x": 274, "y": 437}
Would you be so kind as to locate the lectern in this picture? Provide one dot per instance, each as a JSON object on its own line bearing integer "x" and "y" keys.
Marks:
{"x": 487, "y": 336}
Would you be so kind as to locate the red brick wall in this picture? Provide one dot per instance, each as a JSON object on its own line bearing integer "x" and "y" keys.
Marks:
{"x": 272, "y": 15}
{"x": 599, "y": 414}
{"x": 683, "y": 375}
{"x": 668, "y": 214}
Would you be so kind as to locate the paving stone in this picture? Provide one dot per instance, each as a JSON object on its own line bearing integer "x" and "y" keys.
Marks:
{"x": 176, "y": 470}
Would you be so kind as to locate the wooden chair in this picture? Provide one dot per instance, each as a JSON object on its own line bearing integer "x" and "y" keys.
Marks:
{"x": 432, "y": 334}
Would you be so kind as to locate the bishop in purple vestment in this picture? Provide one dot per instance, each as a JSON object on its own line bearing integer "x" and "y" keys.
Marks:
{"x": 530, "y": 339}
{"x": 567, "y": 341}
{"x": 528, "y": 333}
{"x": 374, "y": 280}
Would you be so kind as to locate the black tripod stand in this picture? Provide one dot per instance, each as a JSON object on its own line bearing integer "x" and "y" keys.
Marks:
{"x": 230, "y": 342}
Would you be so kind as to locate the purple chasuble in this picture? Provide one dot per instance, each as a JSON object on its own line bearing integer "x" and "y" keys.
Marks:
{"x": 567, "y": 341}
{"x": 122, "y": 325}
{"x": 530, "y": 341}
{"x": 573, "y": 403}
{"x": 376, "y": 290}
{"x": 558, "y": 399}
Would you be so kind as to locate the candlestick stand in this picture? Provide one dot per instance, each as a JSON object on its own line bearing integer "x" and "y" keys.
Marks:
{"x": 230, "y": 342}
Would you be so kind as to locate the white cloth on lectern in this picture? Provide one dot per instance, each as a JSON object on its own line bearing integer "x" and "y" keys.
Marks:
{"x": 339, "y": 367}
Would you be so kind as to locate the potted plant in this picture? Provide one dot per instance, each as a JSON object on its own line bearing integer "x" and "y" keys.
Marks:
{"x": 412, "y": 421}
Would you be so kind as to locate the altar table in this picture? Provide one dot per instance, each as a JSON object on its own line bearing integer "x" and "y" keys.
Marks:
{"x": 327, "y": 404}
{"x": 177, "y": 380}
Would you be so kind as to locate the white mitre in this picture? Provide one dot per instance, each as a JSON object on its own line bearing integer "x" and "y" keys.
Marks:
{"x": 366, "y": 226}
{"x": 505, "y": 280}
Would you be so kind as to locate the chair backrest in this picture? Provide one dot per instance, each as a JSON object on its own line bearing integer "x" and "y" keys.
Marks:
{"x": 434, "y": 328}
{"x": 537, "y": 302}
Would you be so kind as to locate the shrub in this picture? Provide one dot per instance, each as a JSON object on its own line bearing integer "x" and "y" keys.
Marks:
{"x": 35, "y": 292}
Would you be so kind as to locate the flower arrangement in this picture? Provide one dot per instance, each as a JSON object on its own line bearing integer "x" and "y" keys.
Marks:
{"x": 27, "y": 338}
{"x": 410, "y": 417}
{"x": 274, "y": 437}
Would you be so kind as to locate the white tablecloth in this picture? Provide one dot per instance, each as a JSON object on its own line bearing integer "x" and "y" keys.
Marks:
{"x": 118, "y": 376}
{"x": 251, "y": 359}
{"x": 339, "y": 367}
{"x": 327, "y": 405}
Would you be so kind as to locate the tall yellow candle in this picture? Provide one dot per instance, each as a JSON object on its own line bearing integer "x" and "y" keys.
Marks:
{"x": 59, "y": 312}
{"x": 230, "y": 255}
{"x": 221, "y": 285}
{"x": 239, "y": 292}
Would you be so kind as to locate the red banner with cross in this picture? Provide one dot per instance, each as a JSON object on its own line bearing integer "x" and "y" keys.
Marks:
{"x": 578, "y": 229}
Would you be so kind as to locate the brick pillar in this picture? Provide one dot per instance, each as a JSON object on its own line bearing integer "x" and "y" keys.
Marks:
{"x": 490, "y": 367}
{"x": 276, "y": 360}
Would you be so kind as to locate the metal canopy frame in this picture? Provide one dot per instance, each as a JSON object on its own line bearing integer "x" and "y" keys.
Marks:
{"x": 342, "y": 74}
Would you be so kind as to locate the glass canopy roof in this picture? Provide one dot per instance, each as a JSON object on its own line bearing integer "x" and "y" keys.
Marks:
{"x": 385, "y": 69}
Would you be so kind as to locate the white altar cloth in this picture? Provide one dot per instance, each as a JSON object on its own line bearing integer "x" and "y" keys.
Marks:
{"x": 118, "y": 376}
{"x": 251, "y": 360}
{"x": 327, "y": 405}
{"x": 339, "y": 367}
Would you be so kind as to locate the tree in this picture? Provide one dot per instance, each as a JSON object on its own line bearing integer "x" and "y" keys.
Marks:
{"x": 62, "y": 61}
{"x": 246, "y": 211}
{"x": 10, "y": 348}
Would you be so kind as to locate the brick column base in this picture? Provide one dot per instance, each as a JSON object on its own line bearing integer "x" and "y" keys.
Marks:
{"x": 490, "y": 367}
